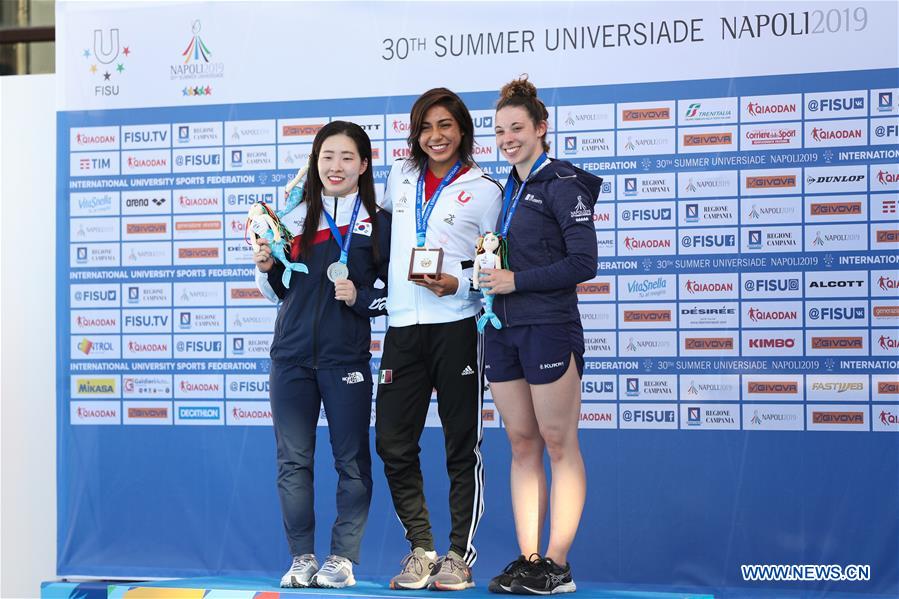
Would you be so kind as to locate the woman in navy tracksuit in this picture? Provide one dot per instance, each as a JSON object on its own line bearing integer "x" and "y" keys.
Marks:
{"x": 320, "y": 351}
{"x": 535, "y": 362}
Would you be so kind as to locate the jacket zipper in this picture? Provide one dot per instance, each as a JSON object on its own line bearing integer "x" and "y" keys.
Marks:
{"x": 318, "y": 299}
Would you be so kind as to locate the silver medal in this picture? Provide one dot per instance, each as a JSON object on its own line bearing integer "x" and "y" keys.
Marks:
{"x": 337, "y": 271}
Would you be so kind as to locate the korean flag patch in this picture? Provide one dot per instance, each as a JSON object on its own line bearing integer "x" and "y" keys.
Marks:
{"x": 363, "y": 228}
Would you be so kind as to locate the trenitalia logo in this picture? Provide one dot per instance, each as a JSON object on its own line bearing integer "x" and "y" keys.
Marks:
{"x": 887, "y": 387}
{"x": 146, "y": 228}
{"x": 770, "y": 181}
{"x": 708, "y": 343}
{"x": 646, "y": 114}
{"x": 594, "y": 288}
{"x": 300, "y": 130}
{"x": 837, "y": 343}
{"x": 838, "y": 417}
{"x": 700, "y": 287}
{"x": 759, "y": 109}
{"x": 888, "y": 236}
{"x": 827, "y": 135}
{"x": 766, "y": 387}
{"x": 836, "y": 208}
{"x": 708, "y": 139}
{"x": 198, "y": 252}
{"x": 647, "y": 316}
{"x": 887, "y": 178}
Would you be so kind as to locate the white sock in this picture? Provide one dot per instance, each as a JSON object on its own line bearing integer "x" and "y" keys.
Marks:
{"x": 431, "y": 555}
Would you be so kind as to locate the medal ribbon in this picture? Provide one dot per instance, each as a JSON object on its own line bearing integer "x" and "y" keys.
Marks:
{"x": 421, "y": 220}
{"x": 510, "y": 203}
{"x": 344, "y": 244}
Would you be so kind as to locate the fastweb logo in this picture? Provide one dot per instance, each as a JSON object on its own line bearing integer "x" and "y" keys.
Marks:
{"x": 805, "y": 572}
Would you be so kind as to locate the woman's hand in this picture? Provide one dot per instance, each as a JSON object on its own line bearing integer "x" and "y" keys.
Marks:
{"x": 263, "y": 258}
{"x": 345, "y": 291}
{"x": 440, "y": 285}
{"x": 500, "y": 281}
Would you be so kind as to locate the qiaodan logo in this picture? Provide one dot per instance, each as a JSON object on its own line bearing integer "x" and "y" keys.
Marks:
{"x": 106, "y": 61}
{"x": 196, "y": 65}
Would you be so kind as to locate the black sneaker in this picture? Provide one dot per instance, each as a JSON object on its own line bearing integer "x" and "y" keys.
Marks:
{"x": 545, "y": 578}
{"x": 516, "y": 569}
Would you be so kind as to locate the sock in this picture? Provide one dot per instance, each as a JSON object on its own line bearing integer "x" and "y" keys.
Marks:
{"x": 431, "y": 555}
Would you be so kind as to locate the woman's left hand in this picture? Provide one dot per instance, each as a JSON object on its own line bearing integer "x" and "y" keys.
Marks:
{"x": 500, "y": 281}
{"x": 345, "y": 291}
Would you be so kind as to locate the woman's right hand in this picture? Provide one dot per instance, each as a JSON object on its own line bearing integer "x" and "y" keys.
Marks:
{"x": 263, "y": 258}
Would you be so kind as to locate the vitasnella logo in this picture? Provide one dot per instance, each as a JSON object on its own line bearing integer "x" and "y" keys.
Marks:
{"x": 105, "y": 58}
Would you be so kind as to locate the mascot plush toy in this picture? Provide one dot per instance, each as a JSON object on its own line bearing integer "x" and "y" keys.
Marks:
{"x": 487, "y": 257}
{"x": 265, "y": 223}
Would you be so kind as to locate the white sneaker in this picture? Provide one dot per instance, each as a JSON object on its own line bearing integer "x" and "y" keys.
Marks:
{"x": 301, "y": 572}
{"x": 335, "y": 573}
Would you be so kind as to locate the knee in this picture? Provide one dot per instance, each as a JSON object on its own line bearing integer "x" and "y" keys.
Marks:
{"x": 558, "y": 442}
{"x": 526, "y": 447}
{"x": 394, "y": 454}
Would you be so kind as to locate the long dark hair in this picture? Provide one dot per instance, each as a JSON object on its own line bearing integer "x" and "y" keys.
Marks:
{"x": 440, "y": 96}
{"x": 312, "y": 190}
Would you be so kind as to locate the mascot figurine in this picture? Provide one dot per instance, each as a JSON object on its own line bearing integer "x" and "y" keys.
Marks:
{"x": 487, "y": 257}
{"x": 263, "y": 222}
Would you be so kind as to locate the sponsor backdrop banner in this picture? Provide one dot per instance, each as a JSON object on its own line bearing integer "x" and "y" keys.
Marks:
{"x": 740, "y": 397}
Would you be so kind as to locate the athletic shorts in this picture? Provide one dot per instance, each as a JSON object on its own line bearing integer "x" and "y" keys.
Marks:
{"x": 539, "y": 353}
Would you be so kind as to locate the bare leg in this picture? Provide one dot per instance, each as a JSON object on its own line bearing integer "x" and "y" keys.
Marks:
{"x": 528, "y": 478}
{"x": 557, "y": 408}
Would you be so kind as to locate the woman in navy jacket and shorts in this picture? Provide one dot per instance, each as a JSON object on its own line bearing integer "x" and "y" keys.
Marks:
{"x": 535, "y": 362}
